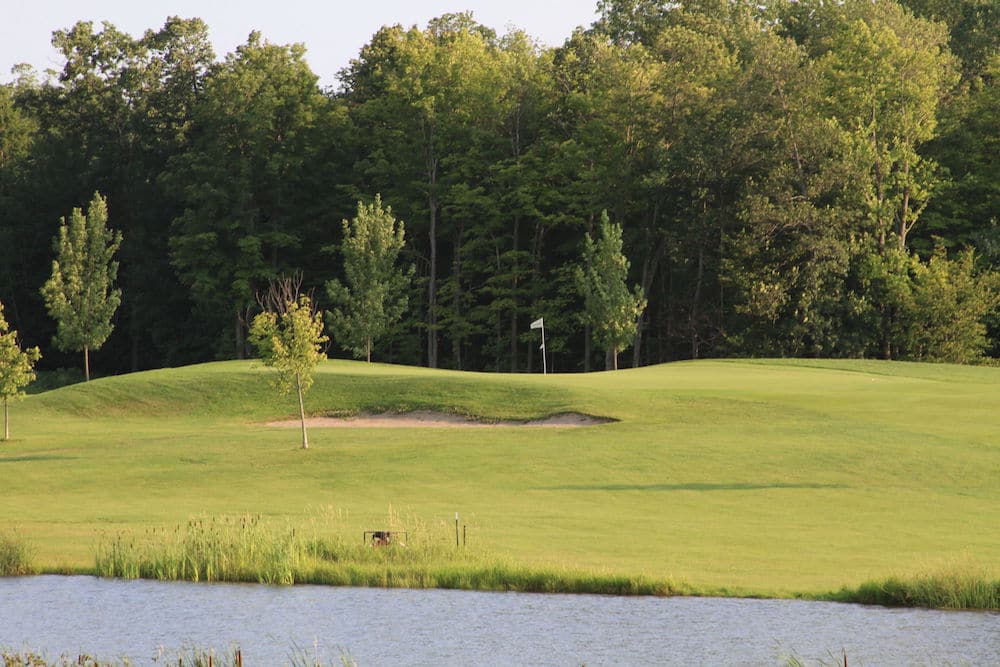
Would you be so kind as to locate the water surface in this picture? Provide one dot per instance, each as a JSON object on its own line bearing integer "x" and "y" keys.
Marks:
{"x": 111, "y": 619}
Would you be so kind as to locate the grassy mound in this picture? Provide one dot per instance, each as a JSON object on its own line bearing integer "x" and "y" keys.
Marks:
{"x": 737, "y": 477}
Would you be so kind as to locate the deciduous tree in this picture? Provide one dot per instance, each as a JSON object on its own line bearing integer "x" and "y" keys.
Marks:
{"x": 80, "y": 294}
{"x": 375, "y": 294}
{"x": 289, "y": 337}
{"x": 16, "y": 368}
{"x": 611, "y": 309}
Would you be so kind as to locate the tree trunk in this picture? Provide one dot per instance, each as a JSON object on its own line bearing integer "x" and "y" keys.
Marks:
{"x": 513, "y": 292}
{"x": 238, "y": 331}
{"x": 6, "y": 424}
{"x": 586, "y": 348}
{"x": 695, "y": 299}
{"x": 368, "y": 348}
{"x": 432, "y": 290}
{"x": 86, "y": 363}
{"x": 302, "y": 412}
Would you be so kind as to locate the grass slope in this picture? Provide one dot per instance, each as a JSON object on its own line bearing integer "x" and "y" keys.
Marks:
{"x": 737, "y": 477}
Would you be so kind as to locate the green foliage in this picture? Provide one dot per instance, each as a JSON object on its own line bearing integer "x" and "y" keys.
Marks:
{"x": 16, "y": 369}
{"x": 291, "y": 341}
{"x": 242, "y": 177}
{"x": 16, "y": 366}
{"x": 610, "y": 308}
{"x": 761, "y": 161}
{"x": 950, "y": 303}
{"x": 375, "y": 296}
{"x": 80, "y": 295}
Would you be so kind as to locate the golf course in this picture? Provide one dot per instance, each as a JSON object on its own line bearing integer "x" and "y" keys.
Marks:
{"x": 773, "y": 478}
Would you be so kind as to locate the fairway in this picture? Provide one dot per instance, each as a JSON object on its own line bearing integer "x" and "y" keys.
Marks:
{"x": 735, "y": 477}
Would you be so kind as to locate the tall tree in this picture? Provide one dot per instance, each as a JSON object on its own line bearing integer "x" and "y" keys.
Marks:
{"x": 289, "y": 337}
{"x": 610, "y": 308}
{"x": 375, "y": 294}
{"x": 16, "y": 368}
{"x": 80, "y": 294}
{"x": 421, "y": 97}
{"x": 239, "y": 181}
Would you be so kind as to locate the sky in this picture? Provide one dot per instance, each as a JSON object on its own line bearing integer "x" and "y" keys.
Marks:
{"x": 333, "y": 31}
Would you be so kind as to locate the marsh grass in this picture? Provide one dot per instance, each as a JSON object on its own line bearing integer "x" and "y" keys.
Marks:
{"x": 330, "y": 552}
{"x": 15, "y": 555}
{"x": 960, "y": 584}
{"x": 241, "y": 549}
{"x": 193, "y": 657}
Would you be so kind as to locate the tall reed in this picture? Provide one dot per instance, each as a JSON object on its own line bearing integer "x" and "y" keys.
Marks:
{"x": 207, "y": 549}
{"x": 330, "y": 551}
{"x": 960, "y": 584}
{"x": 15, "y": 555}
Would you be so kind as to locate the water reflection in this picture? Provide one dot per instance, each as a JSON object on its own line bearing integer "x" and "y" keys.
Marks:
{"x": 114, "y": 619}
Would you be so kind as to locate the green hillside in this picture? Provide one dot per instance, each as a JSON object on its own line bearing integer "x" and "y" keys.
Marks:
{"x": 742, "y": 477}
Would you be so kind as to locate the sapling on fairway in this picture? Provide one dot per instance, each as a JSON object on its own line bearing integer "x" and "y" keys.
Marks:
{"x": 16, "y": 368}
{"x": 289, "y": 337}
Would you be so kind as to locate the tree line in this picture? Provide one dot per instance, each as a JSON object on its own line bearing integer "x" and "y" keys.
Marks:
{"x": 787, "y": 178}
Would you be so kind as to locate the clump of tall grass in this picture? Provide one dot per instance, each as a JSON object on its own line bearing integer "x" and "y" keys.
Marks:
{"x": 242, "y": 549}
{"x": 194, "y": 657}
{"x": 331, "y": 551}
{"x": 15, "y": 556}
{"x": 10, "y": 658}
{"x": 962, "y": 584}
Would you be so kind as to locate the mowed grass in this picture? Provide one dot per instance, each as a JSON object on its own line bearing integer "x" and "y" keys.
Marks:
{"x": 734, "y": 477}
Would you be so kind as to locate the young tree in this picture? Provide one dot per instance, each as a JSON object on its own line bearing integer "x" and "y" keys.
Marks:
{"x": 16, "y": 368}
{"x": 79, "y": 294}
{"x": 612, "y": 311}
{"x": 289, "y": 337}
{"x": 375, "y": 295}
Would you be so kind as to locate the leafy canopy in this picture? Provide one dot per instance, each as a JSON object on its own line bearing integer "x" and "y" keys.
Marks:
{"x": 374, "y": 297}
{"x": 609, "y": 307}
{"x": 79, "y": 294}
{"x": 290, "y": 342}
{"x": 16, "y": 365}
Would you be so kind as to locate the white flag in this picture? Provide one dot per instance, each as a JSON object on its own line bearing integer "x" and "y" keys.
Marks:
{"x": 538, "y": 324}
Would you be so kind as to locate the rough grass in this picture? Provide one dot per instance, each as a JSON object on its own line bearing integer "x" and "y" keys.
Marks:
{"x": 963, "y": 584}
{"x": 776, "y": 478}
{"x": 191, "y": 657}
{"x": 15, "y": 555}
{"x": 249, "y": 549}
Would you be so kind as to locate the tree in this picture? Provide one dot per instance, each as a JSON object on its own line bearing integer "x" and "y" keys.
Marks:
{"x": 79, "y": 294}
{"x": 289, "y": 337}
{"x": 950, "y": 301}
{"x": 375, "y": 295}
{"x": 241, "y": 179}
{"x": 16, "y": 368}
{"x": 610, "y": 308}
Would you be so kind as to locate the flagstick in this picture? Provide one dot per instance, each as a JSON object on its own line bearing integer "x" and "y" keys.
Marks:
{"x": 545, "y": 370}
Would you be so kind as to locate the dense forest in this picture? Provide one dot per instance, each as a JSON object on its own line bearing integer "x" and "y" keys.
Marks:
{"x": 792, "y": 178}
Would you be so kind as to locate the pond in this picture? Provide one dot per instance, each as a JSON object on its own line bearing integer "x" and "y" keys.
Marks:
{"x": 112, "y": 619}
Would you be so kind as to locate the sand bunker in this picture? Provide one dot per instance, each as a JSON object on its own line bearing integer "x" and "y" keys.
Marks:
{"x": 436, "y": 420}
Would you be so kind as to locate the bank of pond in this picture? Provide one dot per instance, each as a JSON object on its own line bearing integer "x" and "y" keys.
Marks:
{"x": 245, "y": 549}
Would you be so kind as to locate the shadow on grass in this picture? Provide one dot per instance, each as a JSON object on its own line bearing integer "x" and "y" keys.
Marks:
{"x": 36, "y": 457}
{"x": 693, "y": 486}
